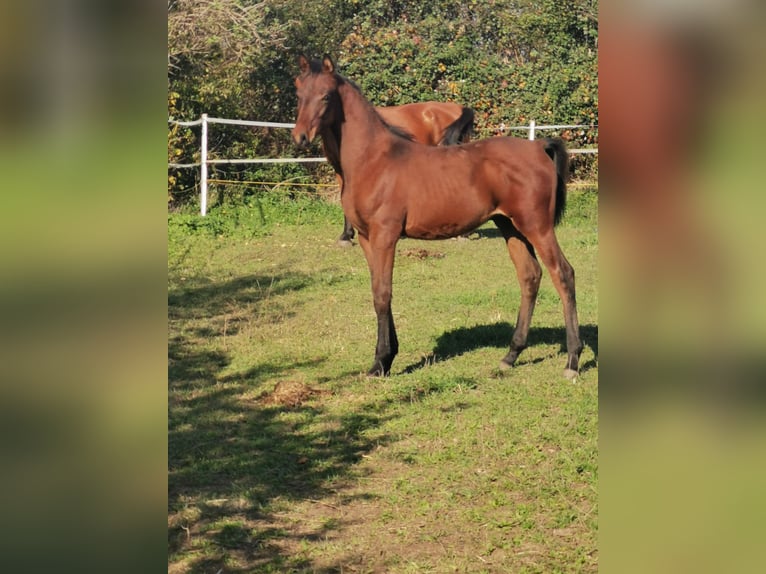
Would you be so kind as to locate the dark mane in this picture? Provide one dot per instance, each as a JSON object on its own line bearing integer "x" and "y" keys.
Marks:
{"x": 397, "y": 131}
{"x": 316, "y": 68}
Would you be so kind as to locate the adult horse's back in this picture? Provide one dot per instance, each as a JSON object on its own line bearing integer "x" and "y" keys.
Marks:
{"x": 395, "y": 187}
{"x": 429, "y": 123}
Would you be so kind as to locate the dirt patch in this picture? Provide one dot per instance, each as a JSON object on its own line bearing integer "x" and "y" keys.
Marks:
{"x": 290, "y": 394}
{"x": 420, "y": 253}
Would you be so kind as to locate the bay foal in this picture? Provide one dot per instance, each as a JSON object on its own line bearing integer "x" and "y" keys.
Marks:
{"x": 394, "y": 187}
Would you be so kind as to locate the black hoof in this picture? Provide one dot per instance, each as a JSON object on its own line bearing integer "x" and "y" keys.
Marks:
{"x": 510, "y": 359}
{"x": 571, "y": 371}
{"x": 378, "y": 369}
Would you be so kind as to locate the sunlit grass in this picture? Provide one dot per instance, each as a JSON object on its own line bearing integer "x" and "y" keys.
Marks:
{"x": 446, "y": 464}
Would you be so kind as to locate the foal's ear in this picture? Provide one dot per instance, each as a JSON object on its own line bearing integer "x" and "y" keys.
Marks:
{"x": 303, "y": 64}
{"x": 327, "y": 64}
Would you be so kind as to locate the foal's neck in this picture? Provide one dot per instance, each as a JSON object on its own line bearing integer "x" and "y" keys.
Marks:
{"x": 362, "y": 130}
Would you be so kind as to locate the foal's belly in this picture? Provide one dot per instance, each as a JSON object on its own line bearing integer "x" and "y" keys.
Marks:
{"x": 443, "y": 223}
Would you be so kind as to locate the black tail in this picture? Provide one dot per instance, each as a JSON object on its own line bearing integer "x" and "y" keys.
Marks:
{"x": 460, "y": 130}
{"x": 557, "y": 151}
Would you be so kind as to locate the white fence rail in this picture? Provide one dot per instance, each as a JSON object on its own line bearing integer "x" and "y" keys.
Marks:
{"x": 204, "y": 162}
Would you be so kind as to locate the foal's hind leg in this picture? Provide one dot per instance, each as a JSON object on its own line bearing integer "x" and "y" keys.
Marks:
{"x": 529, "y": 274}
{"x": 563, "y": 277}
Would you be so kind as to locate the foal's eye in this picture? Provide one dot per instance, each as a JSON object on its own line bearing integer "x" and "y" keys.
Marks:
{"x": 326, "y": 98}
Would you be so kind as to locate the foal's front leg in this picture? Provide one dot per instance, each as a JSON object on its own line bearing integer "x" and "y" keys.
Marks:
{"x": 380, "y": 251}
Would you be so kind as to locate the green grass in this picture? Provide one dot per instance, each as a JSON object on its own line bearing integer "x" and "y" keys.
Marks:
{"x": 447, "y": 465}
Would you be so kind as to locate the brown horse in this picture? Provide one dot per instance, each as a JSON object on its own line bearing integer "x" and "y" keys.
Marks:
{"x": 429, "y": 123}
{"x": 394, "y": 187}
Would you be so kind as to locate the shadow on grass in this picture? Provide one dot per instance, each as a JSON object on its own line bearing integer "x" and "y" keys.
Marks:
{"x": 465, "y": 339}
{"x": 227, "y": 304}
{"x": 234, "y": 462}
{"x": 486, "y": 233}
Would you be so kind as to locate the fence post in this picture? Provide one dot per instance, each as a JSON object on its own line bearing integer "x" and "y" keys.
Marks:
{"x": 203, "y": 167}
{"x": 531, "y": 130}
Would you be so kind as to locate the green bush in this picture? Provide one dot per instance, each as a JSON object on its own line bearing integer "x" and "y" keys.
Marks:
{"x": 510, "y": 60}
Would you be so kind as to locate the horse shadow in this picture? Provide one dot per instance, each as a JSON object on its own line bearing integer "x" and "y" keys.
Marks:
{"x": 465, "y": 339}
{"x": 486, "y": 232}
{"x": 232, "y": 452}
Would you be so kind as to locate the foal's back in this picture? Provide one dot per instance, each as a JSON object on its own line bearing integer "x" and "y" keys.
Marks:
{"x": 494, "y": 164}
{"x": 440, "y": 192}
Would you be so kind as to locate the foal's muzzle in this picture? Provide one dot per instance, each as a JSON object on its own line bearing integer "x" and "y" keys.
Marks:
{"x": 300, "y": 139}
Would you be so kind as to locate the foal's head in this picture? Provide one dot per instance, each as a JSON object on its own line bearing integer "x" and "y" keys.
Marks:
{"x": 318, "y": 101}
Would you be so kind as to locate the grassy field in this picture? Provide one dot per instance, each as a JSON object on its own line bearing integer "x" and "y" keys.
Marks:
{"x": 284, "y": 457}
